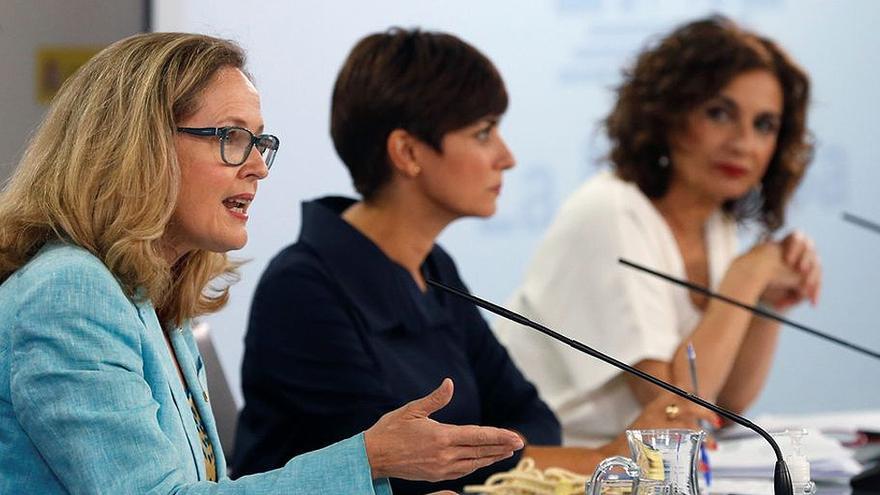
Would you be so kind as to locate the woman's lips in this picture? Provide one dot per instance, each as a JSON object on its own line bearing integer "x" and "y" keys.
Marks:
{"x": 240, "y": 216}
{"x": 731, "y": 170}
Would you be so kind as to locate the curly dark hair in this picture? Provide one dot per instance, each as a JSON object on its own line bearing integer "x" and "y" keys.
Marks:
{"x": 428, "y": 83}
{"x": 681, "y": 72}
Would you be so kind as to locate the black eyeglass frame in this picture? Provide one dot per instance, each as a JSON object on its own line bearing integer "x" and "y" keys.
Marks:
{"x": 256, "y": 140}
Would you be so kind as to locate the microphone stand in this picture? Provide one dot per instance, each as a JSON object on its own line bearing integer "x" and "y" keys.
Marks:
{"x": 781, "y": 475}
{"x": 759, "y": 311}
{"x": 868, "y": 480}
{"x": 861, "y": 222}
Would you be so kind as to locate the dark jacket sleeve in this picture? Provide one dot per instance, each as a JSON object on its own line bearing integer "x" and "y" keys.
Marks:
{"x": 507, "y": 398}
{"x": 309, "y": 379}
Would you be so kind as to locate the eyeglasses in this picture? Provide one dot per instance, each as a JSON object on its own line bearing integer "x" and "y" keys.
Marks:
{"x": 236, "y": 143}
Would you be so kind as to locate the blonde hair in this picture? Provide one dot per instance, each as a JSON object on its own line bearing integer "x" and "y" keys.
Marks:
{"x": 101, "y": 171}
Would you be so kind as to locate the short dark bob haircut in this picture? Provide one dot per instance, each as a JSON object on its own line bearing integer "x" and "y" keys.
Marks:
{"x": 426, "y": 83}
{"x": 683, "y": 71}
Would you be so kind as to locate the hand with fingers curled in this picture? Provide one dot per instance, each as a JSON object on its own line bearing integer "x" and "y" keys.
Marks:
{"x": 799, "y": 254}
{"x": 671, "y": 411}
{"x": 406, "y": 443}
{"x": 666, "y": 411}
{"x": 792, "y": 268}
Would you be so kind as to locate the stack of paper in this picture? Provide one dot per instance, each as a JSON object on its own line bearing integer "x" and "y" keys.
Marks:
{"x": 741, "y": 486}
{"x": 752, "y": 457}
{"x": 844, "y": 426}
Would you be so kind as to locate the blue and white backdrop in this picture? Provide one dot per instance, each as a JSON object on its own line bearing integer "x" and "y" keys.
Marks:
{"x": 561, "y": 59}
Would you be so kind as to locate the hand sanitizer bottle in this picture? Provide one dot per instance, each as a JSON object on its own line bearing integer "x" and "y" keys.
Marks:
{"x": 798, "y": 465}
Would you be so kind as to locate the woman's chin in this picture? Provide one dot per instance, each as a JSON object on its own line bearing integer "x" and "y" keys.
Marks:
{"x": 732, "y": 192}
{"x": 484, "y": 213}
{"x": 230, "y": 244}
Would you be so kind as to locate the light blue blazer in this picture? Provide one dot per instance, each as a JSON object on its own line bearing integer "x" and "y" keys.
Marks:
{"x": 91, "y": 402}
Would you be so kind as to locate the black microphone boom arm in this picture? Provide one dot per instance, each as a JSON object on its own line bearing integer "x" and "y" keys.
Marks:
{"x": 756, "y": 310}
{"x": 782, "y": 478}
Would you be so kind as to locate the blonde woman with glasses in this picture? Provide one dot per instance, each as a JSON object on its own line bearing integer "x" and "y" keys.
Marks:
{"x": 113, "y": 232}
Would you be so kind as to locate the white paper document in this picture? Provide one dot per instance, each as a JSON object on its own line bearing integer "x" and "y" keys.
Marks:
{"x": 752, "y": 457}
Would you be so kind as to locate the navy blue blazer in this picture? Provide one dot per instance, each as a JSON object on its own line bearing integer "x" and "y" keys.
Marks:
{"x": 340, "y": 335}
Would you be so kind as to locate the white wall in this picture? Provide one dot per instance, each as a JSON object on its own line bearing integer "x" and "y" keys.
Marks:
{"x": 27, "y": 25}
{"x": 560, "y": 58}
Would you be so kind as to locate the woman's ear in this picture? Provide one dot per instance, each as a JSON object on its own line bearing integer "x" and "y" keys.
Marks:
{"x": 400, "y": 147}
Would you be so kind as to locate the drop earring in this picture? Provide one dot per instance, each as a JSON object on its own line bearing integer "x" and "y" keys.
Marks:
{"x": 663, "y": 161}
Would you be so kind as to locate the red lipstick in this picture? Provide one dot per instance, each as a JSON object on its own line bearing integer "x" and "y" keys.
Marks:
{"x": 731, "y": 170}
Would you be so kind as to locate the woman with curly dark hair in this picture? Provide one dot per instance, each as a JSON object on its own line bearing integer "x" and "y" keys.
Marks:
{"x": 708, "y": 132}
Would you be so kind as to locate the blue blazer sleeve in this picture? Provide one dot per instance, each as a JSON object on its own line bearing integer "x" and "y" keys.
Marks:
{"x": 78, "y": 389}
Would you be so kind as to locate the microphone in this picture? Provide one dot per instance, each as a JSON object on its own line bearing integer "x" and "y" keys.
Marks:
{"x": 861, "y": 222}
{"x": 781, "y": 475}
{"x": 868, "y": 480}
{"x": 754, "y": 309}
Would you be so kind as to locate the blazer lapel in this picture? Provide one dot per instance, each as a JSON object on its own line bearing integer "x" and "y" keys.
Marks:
{"x": 187, "y": 355}
{"x": 178, "y": 393}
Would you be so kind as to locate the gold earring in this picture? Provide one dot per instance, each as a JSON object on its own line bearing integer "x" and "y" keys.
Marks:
{"x": 416, "y": 171}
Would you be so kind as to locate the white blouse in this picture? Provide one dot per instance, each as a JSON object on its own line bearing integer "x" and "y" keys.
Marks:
{"x": 576, "y": 286}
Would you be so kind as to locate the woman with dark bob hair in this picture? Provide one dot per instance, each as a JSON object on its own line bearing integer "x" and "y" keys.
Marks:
{"x": 343, "y": 325}
{"x": 708, "y": 132}
{"x": 113, "y": 237}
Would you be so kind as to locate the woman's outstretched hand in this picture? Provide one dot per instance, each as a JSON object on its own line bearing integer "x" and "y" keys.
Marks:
{"x": 406, "y": 443}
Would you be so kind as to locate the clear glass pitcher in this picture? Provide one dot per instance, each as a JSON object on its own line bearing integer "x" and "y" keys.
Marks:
{"x": 664, "y": 462}
{"x": 620, "y": 475}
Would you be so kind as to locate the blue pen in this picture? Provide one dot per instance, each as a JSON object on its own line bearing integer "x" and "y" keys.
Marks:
{"x": 704, "y": 457}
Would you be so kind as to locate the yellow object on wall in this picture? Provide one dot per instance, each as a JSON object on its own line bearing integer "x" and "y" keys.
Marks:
{"x": 54, "y": 64}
